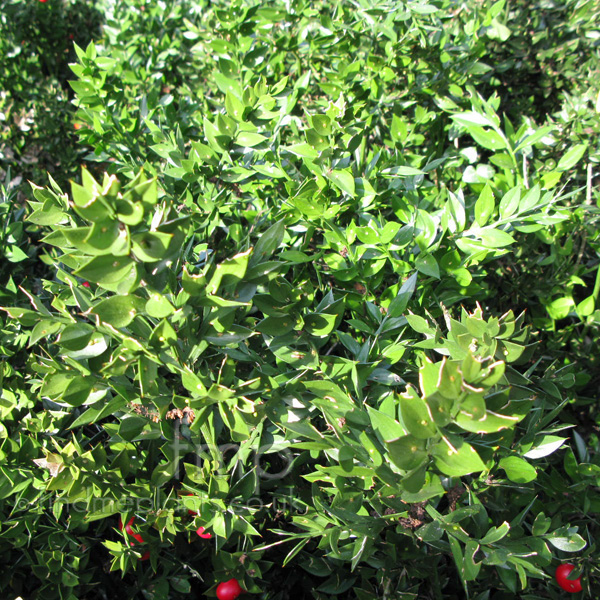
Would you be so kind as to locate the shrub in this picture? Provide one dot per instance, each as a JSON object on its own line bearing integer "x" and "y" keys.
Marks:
{"x": 295, "y": 300}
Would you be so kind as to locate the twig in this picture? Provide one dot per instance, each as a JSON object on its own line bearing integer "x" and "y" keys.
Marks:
{"x": 331, "y": 349}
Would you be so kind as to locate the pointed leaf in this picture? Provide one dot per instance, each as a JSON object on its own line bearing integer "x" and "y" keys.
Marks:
{"x": 342, "y": 179}
{"x": 517, "y": 469}
{"x": 456, "y": 458}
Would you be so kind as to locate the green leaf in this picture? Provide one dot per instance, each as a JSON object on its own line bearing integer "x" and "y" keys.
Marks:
{"x": 96, "y": 346}
{"x": 236, "y": 174}
{"x": 105, "y": 269}
{"x": 158, "y": 306}
{"x": 531, "y": 199}
{"x": 470, "y": 567}
{"x": 571, "y": 158}
{"x": 180, "y": 585}
{"x": 427, "y": 265}
{"x": 297, "y": 358}
{"x": 316, "y": 141}
{"x": 474, "y": 416}
{"x": 567, "y": 540}
{"x": 103, "y": 234}
{"x": 458, "y": 558}
{"x": 456, "y": 458}
{"x": 49, "y": 215}
{"x": 488, "y": 138}
{"x": 235, "y": 107}
{"x": 151, "y": 246}
{"x": 216, "y": 141}
{"x": 295, "y": 256}
{"x": 320, "y": 324}
{"x": 402, "y": 171}
{"x": 400, "y": 302}
{"x": 303, "y": 150}
{"x": 416, "y": 415}
{"x": 342, "y": 179}
{"x": 534, "y": 137}
{"x": 495, "y": 534}
{"x": 385, "y": 426}
{"x": 76, "y": 336}
{"x": 88, "y": 205}
{"x": 368, "y": 443}
{"x": 194, "y": 285}
{"x": 14, "y": 254}
{"x": 541, "y": 524}
{"x": 468, "y": 118}
{"x": 420, "y": 325}
{"x": 118, "y": 311}
{"x": 560, "y": 308}
{"x": 163, "y": 335}
{"x": 98, "y": 411}
{"x": 164, "y": 472}
{"x": 484, "y": 207}
{"x": 586, "y": 307}
{"x": 42, "y": 330}
{"x": 145, "y": 191}
{"x": 498, "y": 31}
{"x": 147, "y": 371}
{"x": 545, "y": 446}
{"x": 517, "y": 469}
{"x": 493, "y": 374}
{"x": 367, "y": 235}
{"x": 407, "y": 452}
{"x": 495, "y": 238}
{"x": 294, "y": 551}
{"x": 457, "y": 209}
{"x": 234, "y": 335}
{"x": 203, "y": 153}
{"x": 128, "y": 212}
{"x": 321, "y": 124}
{"x": 131, "y": 426}
{"x": 423, "y": 9}
{"x": 78, "y": 390}
{"x": 229, "y": 271}
{"x": 249, "y": 139}
{"x": 270, "y": 171}
{"x": 275, "y": 326}
{"x": 431, "y": 532}
{"x": 267, "y": 243}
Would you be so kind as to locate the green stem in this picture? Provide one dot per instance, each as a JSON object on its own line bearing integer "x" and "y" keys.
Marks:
{"x": 596, "y": 285}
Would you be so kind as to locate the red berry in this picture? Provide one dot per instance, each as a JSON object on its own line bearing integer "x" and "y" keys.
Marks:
{"x": 43, "y": 0}
{"x": 85, "y": 284}
{"x": 200, "y": 531}
{"x": 128, "y": 526}
{"x": 569, "y": 585}
{"x": 229, "y": 590}
{"x": 129, "y": 530}
{"x": 136, "y": 536}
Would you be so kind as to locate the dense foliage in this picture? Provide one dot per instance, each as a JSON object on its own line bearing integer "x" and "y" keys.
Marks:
{"x": 308, "y": 298}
